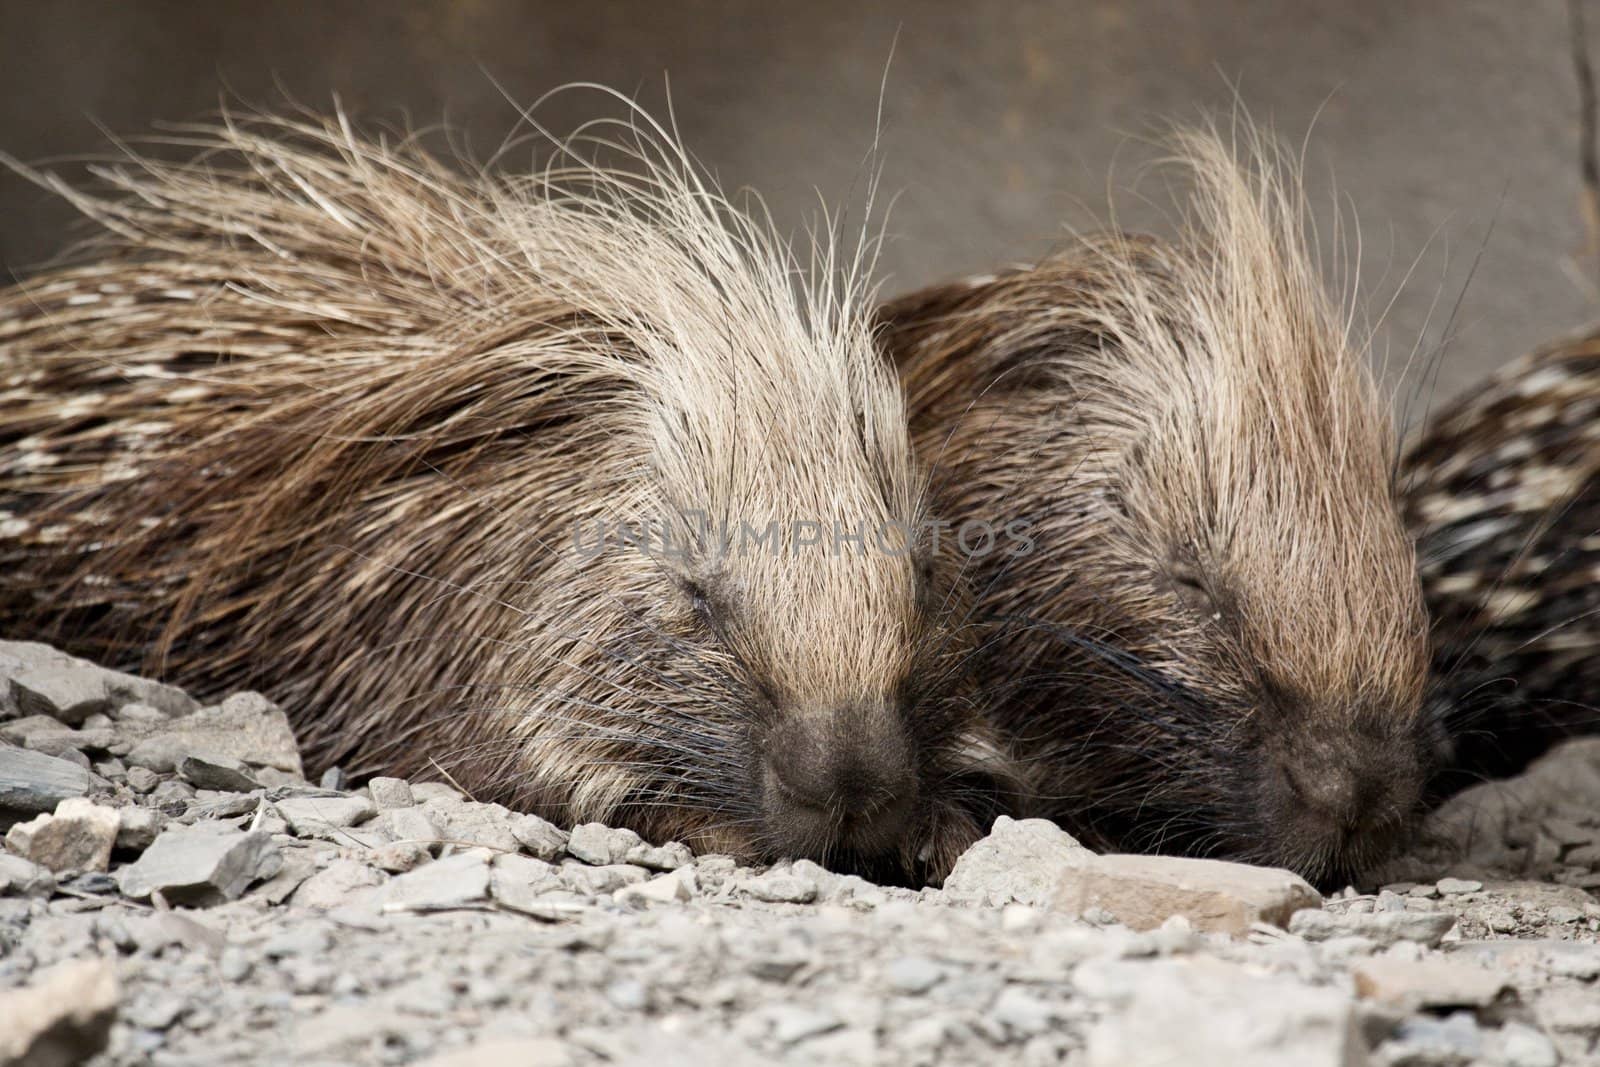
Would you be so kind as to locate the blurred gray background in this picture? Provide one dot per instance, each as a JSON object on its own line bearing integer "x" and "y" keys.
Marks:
{"x": 1003, "y": 123}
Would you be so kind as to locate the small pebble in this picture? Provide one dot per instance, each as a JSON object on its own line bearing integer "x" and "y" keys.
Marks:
{"x": 142, "y": 779}
{"x": 912, "y": 975}
{"x": 390, "y": 793}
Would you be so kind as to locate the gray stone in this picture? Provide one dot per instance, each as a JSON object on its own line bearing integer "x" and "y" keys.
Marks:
{"x": 793, "y": 1023}
{"x": 1021, "y": 860}
{"x": 138, "y": 715}
{"x": 1574, "y": 959}
{"x": 31, "y": 729}
{"x": 335, "y": 885}
{"x": 1204, "y": 1011}
{"x": 456, "y": 881}
{"x": 172, "y": 797}
{"x": 298, "y": 864}
{"x": 430, "y": 792}
{"x": 411, "y": 826}
{"x": 1389, "y": 902}
{"x": 853, "y": 1046}
{"x": 235, "y": 965}
{"x": 1435, "y": 982}
{"x": 68, "y": 693}
{"x": 158, "y": 1013}
{"x": 19, "y": 656}
{"x": 628, "y": 994}
{"x": 35, "y": 782}
{"x": 1021, "y": 1014}
{"x": 62, "y": 747}
{"x": 389, "y": 793}
{"x": 127, "y": 690}
{"x": 155, "y": 931}
{"x": 218, "y": 772}
{"x": 200, "y": 865}
{"x": 142, "y": 779}
{"x": 507, "y": 1052}
{"x": 538, "y": 837}
{"x": 602, "y": 845}
{"x": 1457, "y": 886}
{"x": 912, "y": 975}
{"x": 20, "y": 878}
{"x": 398, "y": 857}
{"x": 1521, "y": 1045}
{"x": 160, "y": 754}
{"x": 216, "y": 805}
{"x": 598, "y": 881}
{"x": 1569, "y": 1009}
{"x": 1424, "y": 1039}
{"x": 1142, "y": 892}
{"x": 307, "y": 815}
{"x": 245, "y": 727}
{"x": 672, "y": 887}
{"x": 470, "y": 823}
{"x": 779, "y": 967}
{"x": 778, "y": 887}
{"x": 297, "y": 941}
{"x": 519, "y": 882}
{"x": 77, "y": 837}
{"x": 267, "y": 819}
{"x": 667, "y": 857}
{"x": 1384, "y": 928}
{"x": 63, "y": 1017}
{"x": 332, "y": 1036}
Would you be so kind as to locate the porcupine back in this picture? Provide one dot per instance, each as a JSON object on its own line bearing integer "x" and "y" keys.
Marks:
{"x": 1503, "y": 497}
{"x": 318, "y": 414}
{"x": 1216, "y": 643}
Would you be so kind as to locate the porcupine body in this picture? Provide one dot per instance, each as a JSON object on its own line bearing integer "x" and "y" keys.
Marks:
{"x": 1502, "y": 492}
{"x": 1215, "y": 642}
{"x": 323, "y": 416}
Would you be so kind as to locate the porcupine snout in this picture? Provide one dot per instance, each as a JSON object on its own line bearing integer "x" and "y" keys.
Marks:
{"x": 1342, "y": 797}
{"x": 839, "y": 778}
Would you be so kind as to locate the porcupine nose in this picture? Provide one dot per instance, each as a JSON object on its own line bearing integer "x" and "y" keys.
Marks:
{"x": 840, "y": 780}
{"x": 1349, "y": 807}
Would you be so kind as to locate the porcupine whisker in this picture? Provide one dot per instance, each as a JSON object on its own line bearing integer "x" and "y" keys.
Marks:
{"x": 1106, "y": 653}
{"x": 1435, "y": 363}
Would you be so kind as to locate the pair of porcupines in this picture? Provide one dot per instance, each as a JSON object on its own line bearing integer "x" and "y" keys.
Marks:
{"x": 320, "y": 415}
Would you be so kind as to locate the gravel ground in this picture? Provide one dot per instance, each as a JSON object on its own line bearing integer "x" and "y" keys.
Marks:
{"x": 172, "y": 891}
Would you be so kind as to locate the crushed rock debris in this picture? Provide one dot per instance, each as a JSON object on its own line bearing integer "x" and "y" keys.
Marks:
{"x": 174, "y": 891}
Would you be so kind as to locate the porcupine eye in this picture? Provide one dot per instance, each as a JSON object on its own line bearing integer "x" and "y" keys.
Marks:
{"x": 700, "y": 603}
{"x": 1183, "y": 571}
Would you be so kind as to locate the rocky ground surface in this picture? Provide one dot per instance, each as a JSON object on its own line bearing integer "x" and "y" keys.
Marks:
{"x": 174, "y": 892}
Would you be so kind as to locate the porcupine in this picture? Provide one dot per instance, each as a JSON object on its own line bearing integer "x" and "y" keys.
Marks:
{"x": 1502, "y": 492}
{"x": 1215, "y": 643}
{"x": 321, "y": 415}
